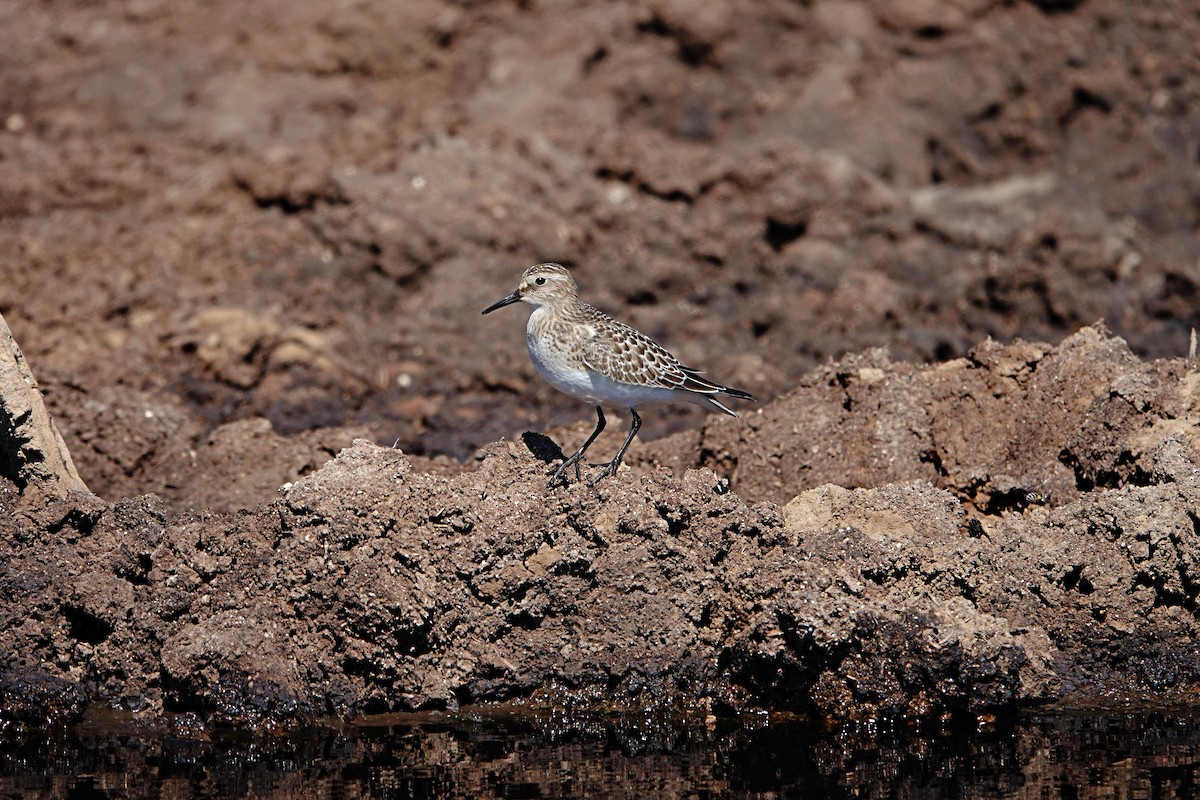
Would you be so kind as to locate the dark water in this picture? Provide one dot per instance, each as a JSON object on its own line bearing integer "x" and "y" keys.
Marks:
{"x": 1076, "y": 756}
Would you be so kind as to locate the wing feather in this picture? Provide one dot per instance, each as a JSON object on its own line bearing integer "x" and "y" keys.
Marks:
{"x": 630, "y": 356}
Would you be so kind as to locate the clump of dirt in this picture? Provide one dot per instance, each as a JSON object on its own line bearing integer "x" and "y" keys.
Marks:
{"x": 1000, "y": 428}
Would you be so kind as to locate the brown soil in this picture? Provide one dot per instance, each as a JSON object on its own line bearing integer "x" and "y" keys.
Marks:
{"x": 240, "y": 237}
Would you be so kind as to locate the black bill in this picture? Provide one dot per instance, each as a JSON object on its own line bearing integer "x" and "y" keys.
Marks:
{"x": 507, "y": 300}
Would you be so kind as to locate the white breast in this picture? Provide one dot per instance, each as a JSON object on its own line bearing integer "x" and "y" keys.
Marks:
{"x": 556, "y": 362}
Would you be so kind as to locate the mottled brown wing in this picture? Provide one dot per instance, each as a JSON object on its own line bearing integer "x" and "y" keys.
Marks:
{"x": 628, "y": 356}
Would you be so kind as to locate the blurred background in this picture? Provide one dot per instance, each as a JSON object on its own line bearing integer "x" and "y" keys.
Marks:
{"x": 236, "y": 235}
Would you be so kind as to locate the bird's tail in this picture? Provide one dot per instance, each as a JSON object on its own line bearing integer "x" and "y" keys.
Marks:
{"x": 707, "y": 389}
{"x": 738, "y": 393}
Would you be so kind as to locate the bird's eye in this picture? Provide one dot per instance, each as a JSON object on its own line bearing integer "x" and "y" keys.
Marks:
{"x": 540, "y": 281}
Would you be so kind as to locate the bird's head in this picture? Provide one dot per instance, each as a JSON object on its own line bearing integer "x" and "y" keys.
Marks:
{"x": 542, "y": 284}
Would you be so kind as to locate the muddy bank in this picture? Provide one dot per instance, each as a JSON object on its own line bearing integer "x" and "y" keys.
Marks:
{"x": 370, "y": 585}
{"x": 240, "y": 239}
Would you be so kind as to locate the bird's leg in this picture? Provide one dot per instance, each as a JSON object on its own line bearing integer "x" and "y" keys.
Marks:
{"x": 577, "y": 456}
{"x": 611, "y": 467}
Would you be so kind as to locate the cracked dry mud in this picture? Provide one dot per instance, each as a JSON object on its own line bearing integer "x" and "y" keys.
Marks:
{"x": 246, "y": 247}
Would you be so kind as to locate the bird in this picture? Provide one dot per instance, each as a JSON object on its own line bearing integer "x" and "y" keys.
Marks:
{"x": 587, "y": 354}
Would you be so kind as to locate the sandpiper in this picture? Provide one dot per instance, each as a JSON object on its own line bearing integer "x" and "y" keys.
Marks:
{"x": 587, "y": 354}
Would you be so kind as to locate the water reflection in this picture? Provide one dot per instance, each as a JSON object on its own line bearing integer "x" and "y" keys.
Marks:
{"x": 1077, "y": 756}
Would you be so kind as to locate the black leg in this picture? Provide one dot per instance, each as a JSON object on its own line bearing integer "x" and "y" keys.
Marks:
{"x": 577, "y": 456}
{"x": 611, "y": 467}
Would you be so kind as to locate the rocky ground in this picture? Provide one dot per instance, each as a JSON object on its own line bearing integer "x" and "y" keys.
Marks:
{"x": 241, "y": 238}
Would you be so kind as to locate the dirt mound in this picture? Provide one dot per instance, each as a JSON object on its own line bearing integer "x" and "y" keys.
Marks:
{"x": 1000, "y": 429}
{"x": 371, "y": 586}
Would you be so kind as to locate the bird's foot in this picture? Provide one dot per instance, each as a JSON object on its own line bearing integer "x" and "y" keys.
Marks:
{"x": 559, "y": 473}
{"x": 606, "y": 470}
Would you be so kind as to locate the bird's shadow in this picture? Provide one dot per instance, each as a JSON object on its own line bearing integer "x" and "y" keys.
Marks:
{"x": 542, "y": 447}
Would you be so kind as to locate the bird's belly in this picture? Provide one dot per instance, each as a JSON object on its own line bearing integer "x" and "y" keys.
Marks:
{"x": 629, "y": 395}
{"x": 560, "y": 370}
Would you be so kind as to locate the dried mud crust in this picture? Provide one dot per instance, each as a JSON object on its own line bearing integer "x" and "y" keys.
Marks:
{"x": 370, "y": 585}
